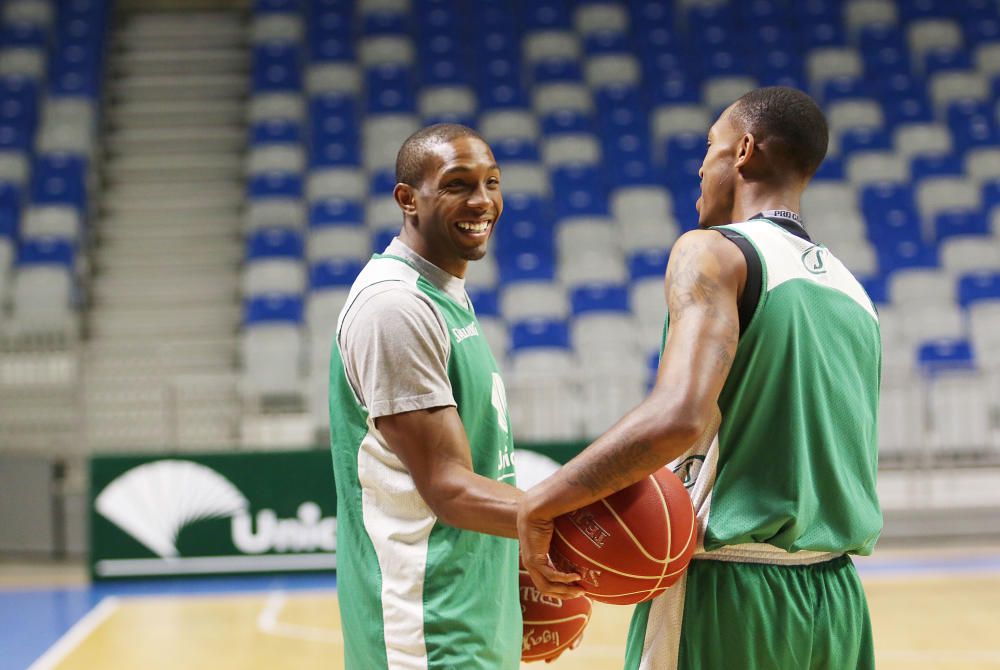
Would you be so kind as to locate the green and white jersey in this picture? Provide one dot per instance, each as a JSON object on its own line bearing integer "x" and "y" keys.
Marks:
{"x": 790, "y": 475}
{"x": 414, "y": 592}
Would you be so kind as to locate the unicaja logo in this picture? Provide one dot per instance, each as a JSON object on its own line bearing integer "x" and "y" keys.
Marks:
{"x": 155, "y": 501}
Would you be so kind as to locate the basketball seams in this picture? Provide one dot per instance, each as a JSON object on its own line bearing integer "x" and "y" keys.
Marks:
{"x": 628, "y": 531}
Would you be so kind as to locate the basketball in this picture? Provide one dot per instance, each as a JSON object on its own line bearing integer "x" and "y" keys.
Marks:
{"x": 551, "y": 625}
{"x": 632, "y": 545}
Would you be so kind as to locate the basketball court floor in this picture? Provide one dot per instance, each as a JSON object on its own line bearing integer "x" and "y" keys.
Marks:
{"x": 932, "y": 609}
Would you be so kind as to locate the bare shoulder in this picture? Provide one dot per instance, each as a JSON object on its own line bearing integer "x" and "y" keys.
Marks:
{"x": 708, "y": 246}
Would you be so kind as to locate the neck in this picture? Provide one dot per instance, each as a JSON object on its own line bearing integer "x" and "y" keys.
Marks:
{"x": 454, "y": 267}
{"x": 756, "y": 198}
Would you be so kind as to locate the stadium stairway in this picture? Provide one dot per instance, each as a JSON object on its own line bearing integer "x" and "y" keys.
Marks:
{"x": 159, "y": 364}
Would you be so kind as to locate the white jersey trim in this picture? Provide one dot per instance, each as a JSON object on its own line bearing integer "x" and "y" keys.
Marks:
{"x": 787, "y": 257}
{"x": 399, "y": 524}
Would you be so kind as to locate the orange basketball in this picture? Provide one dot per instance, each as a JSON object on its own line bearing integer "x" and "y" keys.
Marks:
{"x": 632, "y": 545}
{"x": 551, "y": 625}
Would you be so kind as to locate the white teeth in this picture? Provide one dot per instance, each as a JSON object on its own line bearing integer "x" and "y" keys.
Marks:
{"x": 474, "y": 227}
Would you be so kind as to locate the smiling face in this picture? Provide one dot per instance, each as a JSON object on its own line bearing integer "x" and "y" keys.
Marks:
{"x": 718, "y": 173}
{"x": 451, "y": 214}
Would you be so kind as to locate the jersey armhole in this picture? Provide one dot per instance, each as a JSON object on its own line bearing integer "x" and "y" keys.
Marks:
{"x": 751, "y": 291}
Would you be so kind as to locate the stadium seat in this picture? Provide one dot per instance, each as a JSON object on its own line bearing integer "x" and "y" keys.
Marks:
{"x": 271, "y": 346}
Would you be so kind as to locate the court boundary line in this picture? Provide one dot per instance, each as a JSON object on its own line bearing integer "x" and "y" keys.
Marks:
{"x": 79, "y": 632}
{"x": 268, "y": 623}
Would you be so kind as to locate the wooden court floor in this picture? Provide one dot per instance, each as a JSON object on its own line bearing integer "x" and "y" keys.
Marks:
{"x": 929, "y": 613}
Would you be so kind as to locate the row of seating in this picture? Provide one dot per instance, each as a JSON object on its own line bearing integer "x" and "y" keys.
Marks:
{"x": 51, "y": 67}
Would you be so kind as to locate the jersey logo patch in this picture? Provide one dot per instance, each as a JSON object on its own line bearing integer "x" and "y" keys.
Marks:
{"x": 814, "y": 259}
{"x": 689, "y": 469}
{"x": 465, "y": 332}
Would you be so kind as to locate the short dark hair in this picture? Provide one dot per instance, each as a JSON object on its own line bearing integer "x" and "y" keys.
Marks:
{"x": 790, "y": 121}
{"x": 412, "y": 156}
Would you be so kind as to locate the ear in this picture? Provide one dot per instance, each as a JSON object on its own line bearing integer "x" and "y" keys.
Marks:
{"x": 405, "y": 197}
{"x": 745, "y": 150}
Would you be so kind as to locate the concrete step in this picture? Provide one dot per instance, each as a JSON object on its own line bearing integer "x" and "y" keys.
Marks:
{"x": 148, "y": 88}
{"x": 189, "y": 61}
{"x": 209, "y": 202}
{"x": 167, "y": 108}
{"x": 165, "y": 225}
{"x": 228, "y": 257}
{"x": 198, "y": 320}
{"x": 151, "y": 140}
{"x": 115, "y": 292}
{"x": 170, "y": 168}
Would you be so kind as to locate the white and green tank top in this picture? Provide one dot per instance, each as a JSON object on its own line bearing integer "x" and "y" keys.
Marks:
{"x": 414, "y": 592}
{"x": 791, "y": 472}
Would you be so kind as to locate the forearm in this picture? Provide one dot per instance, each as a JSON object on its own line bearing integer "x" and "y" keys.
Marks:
{"x": 640, "y": 443}
{"x": 473, "y": 502}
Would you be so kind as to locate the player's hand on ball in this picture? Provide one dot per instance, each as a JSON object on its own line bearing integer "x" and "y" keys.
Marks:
{"x": 535, "y": 534}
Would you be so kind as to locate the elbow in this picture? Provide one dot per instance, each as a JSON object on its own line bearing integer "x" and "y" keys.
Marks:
{"x": 444, "y": 500}
{"x": 680, "y": 427}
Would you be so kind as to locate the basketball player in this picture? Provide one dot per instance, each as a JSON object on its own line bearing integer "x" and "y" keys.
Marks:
{"x": 769, "y": 332}
{"x": 426, "y": 503}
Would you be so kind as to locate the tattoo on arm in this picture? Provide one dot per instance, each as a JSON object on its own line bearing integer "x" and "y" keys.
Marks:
{"x": 694, "y": 280}
{"x": 612, "y": 470}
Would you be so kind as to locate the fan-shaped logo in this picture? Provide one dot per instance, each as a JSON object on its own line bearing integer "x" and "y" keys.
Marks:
{"x": 153, "y": 502}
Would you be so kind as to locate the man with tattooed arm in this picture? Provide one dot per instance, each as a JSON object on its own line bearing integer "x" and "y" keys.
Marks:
{"x": 765, "y": 405}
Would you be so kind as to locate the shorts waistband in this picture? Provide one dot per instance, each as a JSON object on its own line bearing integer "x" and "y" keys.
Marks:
{"x": 765, "y": 553}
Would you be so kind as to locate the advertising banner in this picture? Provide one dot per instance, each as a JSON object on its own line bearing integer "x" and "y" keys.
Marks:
{"x": 203, "y": 514}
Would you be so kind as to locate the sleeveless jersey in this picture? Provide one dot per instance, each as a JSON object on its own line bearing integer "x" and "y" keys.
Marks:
{"x": 414, "y": 592}
{"x": 791, "y": 470}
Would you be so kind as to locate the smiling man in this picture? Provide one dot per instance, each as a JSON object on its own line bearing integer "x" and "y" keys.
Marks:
{"x": 426, "y": 503}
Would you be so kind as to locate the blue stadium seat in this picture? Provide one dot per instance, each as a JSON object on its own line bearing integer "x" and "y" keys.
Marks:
{"x": 275, "y": 185}
{"x": 9, "y": 223}
{"x": 942, "y": 60}
{"x": 599, "y": 298}
{"x": 772, "y": 34}
{"x": 935, "y": 165}
{"x": 648, "y": 263}
{"x": 46, "y": 251}
{"x": 506, "y": 95}
{"x": 906, "y": 108}
{"x": 906, "y": 254}
{"x": 528, "y": 266}
{"x": 673, "y": 88}
{"x": 821, "y": 33}
{"x": 538, "y": 334}
{"x": 382, "y": 238}
{"x": 886, "y": 60}
{"x": 545, "y": 15}
{"x": 325, "y": 47}
{"x": 382, "y": 182}
{"x": 606, "y": 42}
{"x": 977, "y": 286}
{"x": 760, "y": 11}
{"x": 978, "y": 30}
{"x": 275, "y": 131}
{"x": 940, "y": 355}
{"x": 959, "y": 222}
{"x": 832, "y": 168}
{"x": 864, "y": 139}
{"x": 911, "y": 10}
{"x": 333, "y": 273}
{"x": 485, "y": 301}
{"x": 991, "y": 194}
{"x": 976, "y": 131}
{"x": 877, "y": 289}
{"x": 23, "y": 35}
{"x": 334, "y": 152}
{"x": 812, "y": 11}
{"x": 444, "y": 72}
{"x": 277, "y": 6}
{"x": 277, "y": 67}
{"x": 515, "y": 149}
{"x": 523, "y": 234}
{"x": 579, "y": 190}
{"x": 389, "y": 88}
{"x": 552, "y": 70}
{"x": 648, "y": 14}
{"x": 567, "y": 121}
{"x": 385, "y": 22}
{"x": 778, "y": 64}
{"x": 723, "y": 62}
{"x": 274, "y": 243}
{"x": 60, "y": 179}
{"x": 333, "y": 114}
{"x": 11, "y": 196}
{"x": 844, "y": 88}
{"x": 272, "y": 308}
{"x": 334, "y": 211}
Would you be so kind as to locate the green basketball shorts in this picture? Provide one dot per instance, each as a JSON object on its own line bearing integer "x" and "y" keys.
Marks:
{"x": 724, "y": 615}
